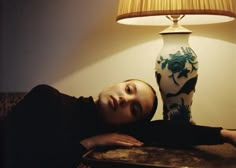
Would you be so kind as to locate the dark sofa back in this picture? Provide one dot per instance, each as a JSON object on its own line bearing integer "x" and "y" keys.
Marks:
{"x": 8, "y": 100}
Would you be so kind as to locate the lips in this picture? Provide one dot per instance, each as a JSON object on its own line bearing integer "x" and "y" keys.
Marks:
{"x": 113, "y": 103}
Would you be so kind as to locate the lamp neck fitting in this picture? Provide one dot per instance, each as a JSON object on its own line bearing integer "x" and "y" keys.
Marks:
{"x": 175, "y": 18}
{"x": 175, "y": 28}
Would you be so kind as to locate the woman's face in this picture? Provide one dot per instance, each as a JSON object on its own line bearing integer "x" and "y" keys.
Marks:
{"x": 125, "y": 102}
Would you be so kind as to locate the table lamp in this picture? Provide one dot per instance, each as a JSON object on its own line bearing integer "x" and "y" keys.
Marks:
{"x": 176, "y": 66}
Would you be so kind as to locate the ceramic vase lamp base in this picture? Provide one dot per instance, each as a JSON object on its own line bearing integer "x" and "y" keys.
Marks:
{"x": 176, "y": 72}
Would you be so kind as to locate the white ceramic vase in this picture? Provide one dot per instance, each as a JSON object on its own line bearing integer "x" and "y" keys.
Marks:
{"x": 176, "y": 74}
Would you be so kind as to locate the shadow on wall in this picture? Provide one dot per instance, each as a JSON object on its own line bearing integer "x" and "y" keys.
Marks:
{"x": 221, "y": 31}
{"x": 110, "y": 37}
{"x": 51, "y": 39}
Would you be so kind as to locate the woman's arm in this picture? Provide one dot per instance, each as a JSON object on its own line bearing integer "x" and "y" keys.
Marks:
{"x": 165, "y": 133}
{"x": 178, "y": 134}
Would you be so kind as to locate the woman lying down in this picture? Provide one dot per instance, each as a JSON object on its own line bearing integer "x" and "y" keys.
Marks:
{"x": 50, "y": 129}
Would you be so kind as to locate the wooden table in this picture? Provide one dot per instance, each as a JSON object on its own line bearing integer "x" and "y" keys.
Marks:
{"x": 204, "y": 156}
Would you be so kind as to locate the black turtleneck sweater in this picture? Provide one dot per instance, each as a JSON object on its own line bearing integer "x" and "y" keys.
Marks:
{"x": 44, "y": 130}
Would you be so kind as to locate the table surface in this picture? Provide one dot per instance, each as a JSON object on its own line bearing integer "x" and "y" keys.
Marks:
{"x": 207, "y": 156}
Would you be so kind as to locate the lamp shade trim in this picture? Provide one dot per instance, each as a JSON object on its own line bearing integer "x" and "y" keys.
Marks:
{"x": 164, "y": 13}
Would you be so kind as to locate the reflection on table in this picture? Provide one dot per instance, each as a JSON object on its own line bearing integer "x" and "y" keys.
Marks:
{"x": 207, "y": 156}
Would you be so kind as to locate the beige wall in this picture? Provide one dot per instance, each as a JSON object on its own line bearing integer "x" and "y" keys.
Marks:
{"x": 76, "y": 46}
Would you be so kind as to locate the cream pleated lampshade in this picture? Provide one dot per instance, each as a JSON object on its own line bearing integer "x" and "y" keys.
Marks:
{"x": 153, "y": 12}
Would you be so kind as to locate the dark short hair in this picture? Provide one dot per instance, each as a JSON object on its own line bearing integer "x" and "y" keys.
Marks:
{"x": 151, "y": 113}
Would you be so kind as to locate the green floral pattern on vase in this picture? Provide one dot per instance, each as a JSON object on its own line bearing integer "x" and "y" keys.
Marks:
{"x": 177, "y": 62}
{"x": 180, "y": 112}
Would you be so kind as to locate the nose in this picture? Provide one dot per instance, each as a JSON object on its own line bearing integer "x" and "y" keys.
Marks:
{"x": 123, "y": 100}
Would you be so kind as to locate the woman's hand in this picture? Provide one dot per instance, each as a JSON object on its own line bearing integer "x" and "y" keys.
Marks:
{"x": 229, "y": 136}
{"x": 110, "y": 139}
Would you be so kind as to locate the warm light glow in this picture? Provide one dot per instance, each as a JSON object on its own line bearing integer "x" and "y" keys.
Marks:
{"x": 153, "y": 12}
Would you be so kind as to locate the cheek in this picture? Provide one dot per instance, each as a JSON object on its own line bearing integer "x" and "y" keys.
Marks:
{"x": 124, "y": 115}
{"x": 121, "y": 116}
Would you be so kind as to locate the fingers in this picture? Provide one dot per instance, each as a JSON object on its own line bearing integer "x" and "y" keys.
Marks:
{"x": 125, "y": 140}
{"x": 110, "y": 139}
{"x": 81, "y": 165}
{"x": 124, "y": 143}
